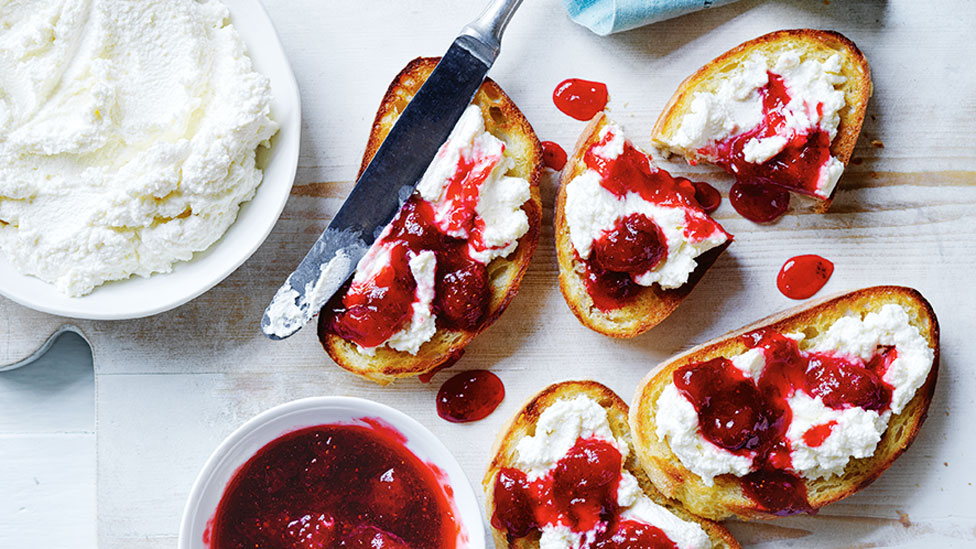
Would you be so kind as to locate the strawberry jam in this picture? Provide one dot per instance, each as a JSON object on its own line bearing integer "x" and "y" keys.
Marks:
{"x": 579, "y": 492}
{"x": 631, "y": 534}
{"x": 369, "y": 313}
{"x": 707, "y": 196}
{"x": 333, "y": 486}
{"x": 636, "y": 244}
{"x": 751, "y": 417}
{"x": 803, "y": 276}
{"x": 759, "y": 203}
{"x": 470, "y": 396}
{"x": 580, "y": 99}
{"x": 553, "y": 155}
{"x": 797, "y": 166}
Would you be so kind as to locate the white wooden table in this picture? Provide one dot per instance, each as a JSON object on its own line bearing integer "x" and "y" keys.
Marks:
{"x": 169, "y": 388}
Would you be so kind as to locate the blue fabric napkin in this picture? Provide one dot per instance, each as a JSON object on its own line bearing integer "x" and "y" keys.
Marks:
{"x": 608, "y": 16}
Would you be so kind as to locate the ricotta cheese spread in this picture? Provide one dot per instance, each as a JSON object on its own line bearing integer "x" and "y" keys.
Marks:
{"x": 855, "y": 432}
{"x": 736, "y": 107}
{"x": 592, "y": 210}
{"x": 557, "y": 430}
{"x": 128, "y": 135}
{"x": 474, "y": 153}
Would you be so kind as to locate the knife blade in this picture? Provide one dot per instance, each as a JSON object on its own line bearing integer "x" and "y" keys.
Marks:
{"x": 392, "y": 174}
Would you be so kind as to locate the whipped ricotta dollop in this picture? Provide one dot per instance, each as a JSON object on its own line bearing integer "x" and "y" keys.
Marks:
{"x": 855, "y": 432}
{"x": 128, "y": 135}
{"x": 557, "y": 430}
{"x": 592, "y": 211}
{"x": 736, "y": 106}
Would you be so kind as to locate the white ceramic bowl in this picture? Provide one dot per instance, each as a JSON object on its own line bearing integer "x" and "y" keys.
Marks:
{"x": 139, "y": 297}
{"x": 243, "y": 443}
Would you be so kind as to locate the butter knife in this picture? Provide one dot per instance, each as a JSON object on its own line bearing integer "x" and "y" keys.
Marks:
{"x": 391, "y": 176}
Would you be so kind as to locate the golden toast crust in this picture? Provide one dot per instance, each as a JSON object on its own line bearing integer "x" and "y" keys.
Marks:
{"x": 811, "y": 43}
{"x": 523, "y": 423}
{"x": 726, "y": 498}
{"x": 505, "y": 121}
{"x": 651, "y": 305}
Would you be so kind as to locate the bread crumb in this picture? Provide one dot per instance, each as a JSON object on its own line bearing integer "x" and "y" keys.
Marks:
{"x": 877, "y": 143}
{"x": 857, "y": 161}
{"x": 946, "y": 463}
{"x": 874, "y": 175}
{"x": 903, "y": 519}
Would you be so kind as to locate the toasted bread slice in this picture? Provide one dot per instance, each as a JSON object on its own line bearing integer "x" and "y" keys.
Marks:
{"x": 816, "y": 44}
{"x": 503, "y": 120}
{"x": 523, "y": 424}
{"x": 652, "y": 304}
{"x": 725, "y": 497}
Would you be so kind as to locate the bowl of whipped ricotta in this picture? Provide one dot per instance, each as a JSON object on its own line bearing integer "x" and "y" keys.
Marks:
{"x": 146, "y": 150}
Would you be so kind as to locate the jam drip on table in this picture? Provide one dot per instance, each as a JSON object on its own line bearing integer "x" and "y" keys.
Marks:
{"x": 368, "y": 314}
{"x": 580, "y": 99}
{"x": 795, "y": 168}
{"x": 470, "y": 396}
{"x": 751, "y": 418}
{"x": 553, "y": 155}
{"x": 803, "y": 276}
{"x": 580, "y": 492}
{"x": 636, "y": 244}
{"x": 335, "y": 486}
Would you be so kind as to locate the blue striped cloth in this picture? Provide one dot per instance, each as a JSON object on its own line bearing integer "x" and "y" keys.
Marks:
{"x": 608, "y": 16}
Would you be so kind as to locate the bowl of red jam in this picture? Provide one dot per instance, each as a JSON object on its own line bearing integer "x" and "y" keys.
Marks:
{"x": 332, "y": 472}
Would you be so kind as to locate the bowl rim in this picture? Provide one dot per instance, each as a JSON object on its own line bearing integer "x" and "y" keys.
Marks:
{"x": 286, "y": 93}
{"x": 465, "y": 501}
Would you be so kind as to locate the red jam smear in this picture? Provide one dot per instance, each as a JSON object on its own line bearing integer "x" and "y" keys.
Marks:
{"x": 368, "y": 314}
{"x": 335, "y": 486}
{"x": 580, "y": 492}
{"x": 796, "y": 167}
{"x": 470, "y": 396}
{"x": 636, "y": 244}
{"x": 803, "y": 276}
{"x": 553, "y": 155}
{"x": 580, "y": 99}
{"x": 816, "y": 435}
{"x": 751, "y": 418}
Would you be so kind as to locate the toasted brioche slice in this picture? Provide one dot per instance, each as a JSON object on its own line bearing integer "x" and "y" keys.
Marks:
{"x": 503, "y": 120}
{"x": 523, "y": 424}
{"x": 652, "y": 304}
{"x": 725, "y": 497}
{"x": 816, "y": 44}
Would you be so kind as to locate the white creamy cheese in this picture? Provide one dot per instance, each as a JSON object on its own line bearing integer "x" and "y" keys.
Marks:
{"x": 423, "y": 266}
{"x": 592, "y": 210}
{"x": 557, "y": 430}
{"x": 128, "y": 133}
{"x": 500, "y": 197}
{"x": 289, "y": 310}
{"x": 735, "y": 107}
{"x": 857, "y": 431}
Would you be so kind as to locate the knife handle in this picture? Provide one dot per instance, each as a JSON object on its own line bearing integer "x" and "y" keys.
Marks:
{"x": 490, "y": 25}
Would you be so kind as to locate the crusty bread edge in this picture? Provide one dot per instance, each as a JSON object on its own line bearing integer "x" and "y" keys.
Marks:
{"x": 523, "y": 422}
{"x": 446, "y": 346}
{"x": 674, "y": 480}
{"x": 842, "y": 147}
{"x": 652, "y": 304}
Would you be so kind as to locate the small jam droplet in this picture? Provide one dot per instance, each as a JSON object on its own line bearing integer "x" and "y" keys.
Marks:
{"x": 470, "y": 396}
{"x": 816, "y": 435}
{"x": 580, "y": 99}
{"x": 803, "y": 276}
{"x": 759, "y": 203}
{"x": 707, "y": 196}
{"x": 553, "y": 155}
